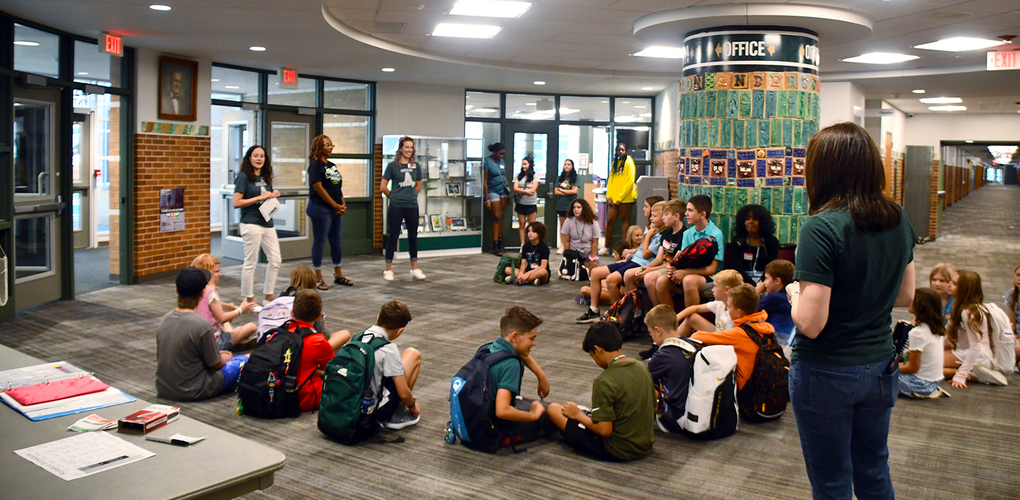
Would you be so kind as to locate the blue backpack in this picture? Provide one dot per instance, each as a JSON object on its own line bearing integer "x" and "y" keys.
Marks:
{"x": 473, "y": 402}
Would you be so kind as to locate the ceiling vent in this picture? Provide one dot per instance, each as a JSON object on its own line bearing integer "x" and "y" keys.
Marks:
{"x": 394, "y": 28}
{"x": 950, "y": 16}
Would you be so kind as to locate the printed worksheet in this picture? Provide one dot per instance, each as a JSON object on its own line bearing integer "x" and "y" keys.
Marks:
{"x": 83, "y": 454}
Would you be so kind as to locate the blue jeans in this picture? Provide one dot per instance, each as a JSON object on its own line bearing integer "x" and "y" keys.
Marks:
{"x": 842, "y": 417}
{"x": 326, "y": 223}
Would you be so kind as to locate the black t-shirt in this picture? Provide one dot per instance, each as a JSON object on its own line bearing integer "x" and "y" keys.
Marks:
{"x": 331, "y": 180}
{"x": 250, "y": 189}
{"x": 671, "y": 372}
{"x": 671, "y": 243}
{"x": 533, "y": 255}
{"x": 748, "y": 260}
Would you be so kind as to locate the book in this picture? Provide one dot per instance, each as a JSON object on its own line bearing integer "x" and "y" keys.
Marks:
{"x": 145, "y": 420}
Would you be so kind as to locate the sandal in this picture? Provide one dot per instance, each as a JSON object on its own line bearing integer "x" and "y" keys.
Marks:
{"x": 321, "y": 285}
{"x": 342, "y": 280}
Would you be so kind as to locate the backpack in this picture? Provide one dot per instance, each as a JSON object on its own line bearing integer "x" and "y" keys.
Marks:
{"x": 513, "y": 261}
{"x": 627, "y": 314}
{"x": 711, "y": 410}
{"x": 473, "y": 402}
{"x": 699, "y": 254}
{"x": 273, "y": 315}
{"x": 900, "y": 336}
{"x": 268, "y": 385}
{"x": 765, "y": 394}
{"x": 1001, "y": 339}
{"x": 348, "y": 402}
{"x": 572, "y": 266}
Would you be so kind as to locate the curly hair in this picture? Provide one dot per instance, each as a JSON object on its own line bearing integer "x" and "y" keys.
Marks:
{"x": 587, "y": 214}
{"x": 247, "y": 169}
{"x": 766, "y": 226}
{"x": 318, "y": 149}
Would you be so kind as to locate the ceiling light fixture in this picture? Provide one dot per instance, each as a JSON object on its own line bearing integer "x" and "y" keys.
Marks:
{"x": 161, "y": 8}
{"x": 947, "y": 108}
{"x": 257, "y": 48}
{"x": 640, "y": 107}
{"x": 960, "y": 44}
{"x": 539, "y": 82}
{"x": 941, "y": 100}
{"x": 489, "y": 8}
{"x": 232, "y": 87}
{"x": 388, "y": 70}
{"x": 880, "y": 58}
{"x": 917, "y": 91}
{"x": 215, "y": 79}
{"x": 26, "y": 43}
{"x": 82, "y": 73}
{"x": 646, "y": 88}
{"x": 661, "y": 52}
{"x": 968, "y": 141}
{"x": 465, "y": 30}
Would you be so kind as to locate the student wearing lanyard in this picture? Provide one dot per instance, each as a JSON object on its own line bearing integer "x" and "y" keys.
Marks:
{"x": 754, "y": 244}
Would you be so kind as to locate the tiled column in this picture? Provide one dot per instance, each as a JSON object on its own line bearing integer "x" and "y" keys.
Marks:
{"x": 749, "y": 102}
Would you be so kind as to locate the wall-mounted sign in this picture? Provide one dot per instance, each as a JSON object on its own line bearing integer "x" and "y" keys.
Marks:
{"x": 111, "y": 44}
{"x": 1003, "y": 60}
{"x": 171, "y": 210}
{"x": 747, "y": 51}
{"x": 288, "y": 79}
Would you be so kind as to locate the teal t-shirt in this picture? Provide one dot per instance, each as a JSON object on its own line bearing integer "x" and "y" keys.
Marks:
{"x": 250, "y": 189}
{"x": 507, "y": 373}
{"x": 403, "y": 177}
{"x": 864, "y": 271}
{"x": 692, "y": 234}
{"x": 496, "y": 175}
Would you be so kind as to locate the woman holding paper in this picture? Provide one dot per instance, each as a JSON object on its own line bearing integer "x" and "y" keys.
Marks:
{"x": 326, "y": 209}
{"x": 253, "y": 187}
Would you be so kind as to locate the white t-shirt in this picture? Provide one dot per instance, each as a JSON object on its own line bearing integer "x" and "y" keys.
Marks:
{"x": 723, "y": 321}
{"x": 387, "y": 363}
{"x": 921, "y": 339}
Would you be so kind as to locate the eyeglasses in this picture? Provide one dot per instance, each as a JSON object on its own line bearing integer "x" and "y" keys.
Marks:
{"x": 327, "y": 145}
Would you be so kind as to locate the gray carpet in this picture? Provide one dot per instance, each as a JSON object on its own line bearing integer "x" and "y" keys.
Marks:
{"x": 963, "y": 447}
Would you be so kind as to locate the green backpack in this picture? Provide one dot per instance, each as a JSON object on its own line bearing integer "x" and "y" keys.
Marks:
{"x": 513, "y": 261}
{"x": 347, "y": 398}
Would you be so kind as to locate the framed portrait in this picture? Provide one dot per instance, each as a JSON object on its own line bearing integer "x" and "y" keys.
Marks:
{"x": 178, "y": 82}
{"x": 423, "y": 226}
{"x": 437, "y": 223}
{"x": 453, "y": 189}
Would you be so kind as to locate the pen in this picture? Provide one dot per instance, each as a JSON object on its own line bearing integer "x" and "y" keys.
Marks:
{"x": 104, "y": 462}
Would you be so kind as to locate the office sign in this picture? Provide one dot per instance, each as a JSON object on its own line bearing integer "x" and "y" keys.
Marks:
{"x": 745, "y": 51}
{"x": 1003, "y": 60}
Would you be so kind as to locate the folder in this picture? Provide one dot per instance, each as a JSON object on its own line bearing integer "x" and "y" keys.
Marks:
{"x": 55, "y": 391}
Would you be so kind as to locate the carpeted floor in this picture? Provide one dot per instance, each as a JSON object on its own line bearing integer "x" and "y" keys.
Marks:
{"x": 963, "y": 447}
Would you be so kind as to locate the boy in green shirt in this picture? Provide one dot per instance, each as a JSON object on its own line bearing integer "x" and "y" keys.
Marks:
{"x": 621, "y": 424}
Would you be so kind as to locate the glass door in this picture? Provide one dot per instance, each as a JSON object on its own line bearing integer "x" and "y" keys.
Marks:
{"x": 540, "y": 142}
{"x": 38, "y": 202}
{"x": 81, "y": 170}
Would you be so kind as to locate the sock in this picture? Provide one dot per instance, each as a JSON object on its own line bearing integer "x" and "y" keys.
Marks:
{"x": 594, "y": 309}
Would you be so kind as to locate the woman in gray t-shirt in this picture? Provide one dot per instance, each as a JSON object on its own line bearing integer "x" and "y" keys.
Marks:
{"x": 401, "y": 183}
{"x": 252, "y": 187}
{"x": 525, "y": 187}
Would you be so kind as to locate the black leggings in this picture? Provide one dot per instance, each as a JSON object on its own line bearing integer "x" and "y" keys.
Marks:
{"x": 395, "y": 215}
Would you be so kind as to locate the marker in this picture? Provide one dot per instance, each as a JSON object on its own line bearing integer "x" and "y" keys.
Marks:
{"x": 104, "y": 462}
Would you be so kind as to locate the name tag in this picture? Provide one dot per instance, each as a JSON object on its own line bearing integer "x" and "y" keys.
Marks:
{"x": 748, "y": 256}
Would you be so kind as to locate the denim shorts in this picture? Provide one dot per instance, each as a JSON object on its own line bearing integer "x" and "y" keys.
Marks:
{"x": 494, "y": 197}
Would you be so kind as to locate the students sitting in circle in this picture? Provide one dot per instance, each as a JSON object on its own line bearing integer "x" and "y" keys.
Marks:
{"x": 219, "y": 313}
{"x": 969, "y": 331}
{"x": 534, "y": 259}
{"x": 921, "y": 374}
{"x": 939, "y": 279}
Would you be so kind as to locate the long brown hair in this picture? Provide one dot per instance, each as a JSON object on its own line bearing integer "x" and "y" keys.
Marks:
{"x": 1016, "y": 293}
{"x": 267, "y": 168}
{"x": 928, "y": 310}
{"x": 843, "y": 169}
{"x": 587, "y": 215}
{"x": 968, "y": 298}
{"x": 318, "y": 148}
{"x": 400, "y": 144}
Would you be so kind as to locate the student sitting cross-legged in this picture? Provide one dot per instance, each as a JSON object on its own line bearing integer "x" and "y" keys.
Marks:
{"x": 691, "y": 319}
{"x": 774, "y": 300}
{"x": 691, "y": 281}
{"x": 316, "y": 350}
{"x": 621, "y": 423}
{"x": 670, "y": 368}
{"x": 534, "y": 259}
{"x": 742, "y": 304}
{"x": 395, "y": 372}
{"x": 189, "y": 366}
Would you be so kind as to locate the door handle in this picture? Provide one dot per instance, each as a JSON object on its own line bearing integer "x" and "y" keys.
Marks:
{"x": 41, "y": 207}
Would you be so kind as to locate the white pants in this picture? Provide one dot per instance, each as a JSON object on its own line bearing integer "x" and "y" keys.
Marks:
{"x": 255, "y": 236}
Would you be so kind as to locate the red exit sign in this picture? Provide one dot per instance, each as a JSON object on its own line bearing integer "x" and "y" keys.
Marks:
{"x": 111, "y": 44}
{"x": 1003, "y": 60}
{"x": 288, "y": 78}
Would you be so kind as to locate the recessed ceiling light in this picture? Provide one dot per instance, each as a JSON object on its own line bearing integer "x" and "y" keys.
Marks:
{"x": 604, "y": 102}
{"x": 489, "y": 8}
{"x": 465, "y": 30}
{"x": 256, "y": 48}
{"x": 215, "y": 79}
{"x": 661, "y": 52}
{"x": 26, "y": 43}
{"x": 539, "y": 82}
{"x": 646, "y": 88}
{"x": 948, "y": 108}
{"x": 640, "y": 107}
{"x": 969, "y": 141}
{"x": 161, "y": 8}
{"x": 941, "y": 100}
{"x": 960, "y": 44}
{"x": 388, "y": 70}
{"x": 232, "y": 87}
{"x": 917, "y": 91}
{"x": 82, "y": 73}
{"x": 880, "y": 58}
{"x": 531, "y": 104}
{"x": 624, "y": 102}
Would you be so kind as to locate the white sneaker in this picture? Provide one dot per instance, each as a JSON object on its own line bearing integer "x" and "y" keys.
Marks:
{"x": 987, "y": 375}
{"x": 256, "y": 309}
{"x": 603, "y": 251}
{"x": 417, "y": 274}
{"x": 387, "y": 275}
{"x": 537, "y": 282}
{"x": 559, "y": 251}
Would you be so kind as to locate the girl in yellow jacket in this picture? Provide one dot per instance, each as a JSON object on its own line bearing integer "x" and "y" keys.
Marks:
{"x": 621, "y": 192}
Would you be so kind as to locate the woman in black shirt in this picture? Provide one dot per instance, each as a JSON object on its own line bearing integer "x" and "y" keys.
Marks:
{"x": 754, "y": 244}
{"x": 326, "y": 209}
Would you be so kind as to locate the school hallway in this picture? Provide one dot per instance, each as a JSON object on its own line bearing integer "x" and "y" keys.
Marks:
{"x": 961, "y": 447}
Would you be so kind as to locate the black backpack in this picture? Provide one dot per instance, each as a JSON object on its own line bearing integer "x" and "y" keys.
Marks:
{"x": 268, "y": 385}
{"x": 572, "y": 266}
{"x": 628, "y": 315}
{"x": 765, "y": 394}
{"x": 473, "y": 402}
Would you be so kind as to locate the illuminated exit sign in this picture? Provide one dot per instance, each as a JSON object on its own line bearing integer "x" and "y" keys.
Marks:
{"x": 111, "y": 44}
{"x": 288, "y": 79}
{"x": 1003, "y": 60}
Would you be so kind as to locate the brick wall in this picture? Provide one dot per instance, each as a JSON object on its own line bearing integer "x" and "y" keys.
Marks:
{"x": 165, "y": 162}
{"x": 665, "y": 166}
{"x": 377, "y": 230}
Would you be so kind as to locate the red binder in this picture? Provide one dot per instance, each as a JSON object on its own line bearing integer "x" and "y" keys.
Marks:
{"x": 54, "y": 391}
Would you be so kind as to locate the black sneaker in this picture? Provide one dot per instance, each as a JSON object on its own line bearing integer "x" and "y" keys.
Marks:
{"x": 647, "y": 354}
{"x": 589, "y": 316}
{"x": 401, "y": 418}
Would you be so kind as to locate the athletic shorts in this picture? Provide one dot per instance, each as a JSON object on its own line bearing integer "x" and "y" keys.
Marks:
{"x": 622, "y": 267}
{"x": 561, "y": 213}
{"x": 526, "y": 209}
{"x": 384, "y": 411}
{"x": 585, "y": 441}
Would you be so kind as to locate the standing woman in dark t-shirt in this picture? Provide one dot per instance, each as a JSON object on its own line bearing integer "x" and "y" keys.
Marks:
{"x": 252, "y": 187}
{"x": 401, "y": 183}
{"x": 326, "y": 209}
{"x": 854, "y": 264}
{"x": 566, "y": 191}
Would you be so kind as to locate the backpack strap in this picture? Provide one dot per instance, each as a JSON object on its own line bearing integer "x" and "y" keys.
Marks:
{"x": 758, "y": 338}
